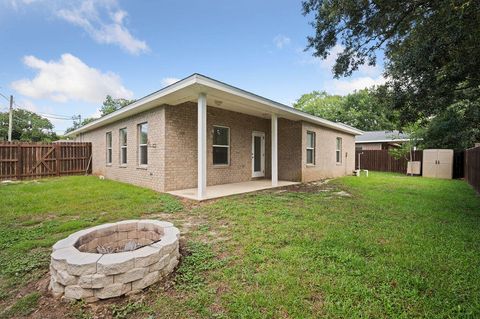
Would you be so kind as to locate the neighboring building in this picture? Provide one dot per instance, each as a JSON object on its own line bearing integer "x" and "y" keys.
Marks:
{"x": 380, "y": 140}
{"x": 200, "y": 129}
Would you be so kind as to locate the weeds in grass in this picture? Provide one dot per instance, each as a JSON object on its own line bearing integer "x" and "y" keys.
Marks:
{"x": 170, "y": 204}
{"x": 79, "y": 310}
{"x": 199, "y": 259}
{"x": 125, "y": 311}
{"x": 23, "y": 306}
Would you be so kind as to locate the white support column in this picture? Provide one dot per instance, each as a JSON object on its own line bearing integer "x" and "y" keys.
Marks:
{"x": 274, "y": 150}
{"x": 202, "y": 145}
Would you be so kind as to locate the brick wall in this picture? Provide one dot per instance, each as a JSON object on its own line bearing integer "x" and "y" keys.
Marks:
{"x": 181, "y": 134}
{"x": 151, "y": 176}
{"x": 172, "y": 151}
{"x": 325, "y": 158}
{"x": 289, "y": 150}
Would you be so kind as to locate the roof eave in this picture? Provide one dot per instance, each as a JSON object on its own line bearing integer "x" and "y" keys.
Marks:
{"x": 209, "y": 82}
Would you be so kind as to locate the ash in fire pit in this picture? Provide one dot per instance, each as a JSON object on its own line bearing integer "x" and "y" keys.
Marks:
{"x": 113, "y": 259}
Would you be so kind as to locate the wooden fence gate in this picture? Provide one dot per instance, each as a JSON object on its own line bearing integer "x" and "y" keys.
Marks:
{"x": 35, "y": 160}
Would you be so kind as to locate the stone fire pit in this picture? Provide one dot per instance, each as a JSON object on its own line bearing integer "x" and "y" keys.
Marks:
{"x": 111, "y": 260}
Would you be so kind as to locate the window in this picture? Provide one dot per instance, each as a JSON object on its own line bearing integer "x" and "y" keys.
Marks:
{"x": 123, "y": 146}
{"x": 143, "y": 144}
{"x": 109, "y": 147}
{"x": 221, "y": 145}
{"x": 311, "y": 148}
{"x": 339, "y": 150}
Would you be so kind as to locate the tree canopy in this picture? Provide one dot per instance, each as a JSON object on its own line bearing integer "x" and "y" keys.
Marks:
{"x": 110, "y": 105}
{"x": 27, "y": 126}
{"x": 361, "y": 109}
{"x": 431, "y": 53}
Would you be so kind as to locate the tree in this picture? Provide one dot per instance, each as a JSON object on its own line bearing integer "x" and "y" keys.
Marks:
{"x": 27, "y": 126}
{"x": 431, "y": 50}
{"x": 405, "y": 150}
{"x": 457, "y": 127}
{"x": 361, "y": 109}
{"x": 111, "y": 105}
{"x": 78, "y": 124}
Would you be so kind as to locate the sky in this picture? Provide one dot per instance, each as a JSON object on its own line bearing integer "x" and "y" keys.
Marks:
{"x": 63, "y": 57}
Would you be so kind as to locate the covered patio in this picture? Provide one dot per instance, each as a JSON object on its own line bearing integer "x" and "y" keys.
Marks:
{"x": 217, "y": 191}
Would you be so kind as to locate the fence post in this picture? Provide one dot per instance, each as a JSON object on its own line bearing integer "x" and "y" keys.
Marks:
{"x": 19, "y": 161}
{"x": 57, "y": 158}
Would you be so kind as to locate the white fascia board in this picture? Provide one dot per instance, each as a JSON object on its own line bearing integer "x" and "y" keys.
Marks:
{"x": 211, "y": 83}
{"x": 149, "y": 98}
{"x": 382, "y": 141}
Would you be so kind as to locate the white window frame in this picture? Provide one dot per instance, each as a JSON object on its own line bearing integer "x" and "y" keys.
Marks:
{"x": 224, "y": 146}
{"x": 140, "y": 145}
{"x": 109, "y": 149}
{"x": 338, "y": 150}
{"x": 122, "y": 163}
{"x": 311, "y": 148}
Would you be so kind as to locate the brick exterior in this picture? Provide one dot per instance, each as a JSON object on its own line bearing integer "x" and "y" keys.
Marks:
{"x": 181, "y": 166}
{"x": 325, "y": 159}
{"x": 151, "y": 176}
{"x": 172, "y": 151}
{"x": 289, "y": 150}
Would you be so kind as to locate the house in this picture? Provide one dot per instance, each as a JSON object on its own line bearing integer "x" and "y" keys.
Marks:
{"x": 198, "y": 133}
{"x": 379, "y": 140}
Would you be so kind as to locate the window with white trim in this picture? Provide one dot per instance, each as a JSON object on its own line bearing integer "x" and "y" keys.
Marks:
{"x": 221, "y": 145}
{"x": 143, "y": 144}
{"x": 123, "y": 146}
{"x": 109, "y": 147}
{"x": 338, "y": 152}
{"x": 310, "y": 148}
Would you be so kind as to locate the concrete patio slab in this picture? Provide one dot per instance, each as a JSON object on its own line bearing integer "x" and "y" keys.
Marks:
{"x": 223, "y": 190}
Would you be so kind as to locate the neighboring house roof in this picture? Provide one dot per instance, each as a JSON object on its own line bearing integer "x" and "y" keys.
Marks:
{"x": 381, "y": 137}
{"x": 220, "y": 95}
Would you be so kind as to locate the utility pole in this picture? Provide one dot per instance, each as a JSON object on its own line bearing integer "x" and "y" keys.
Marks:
{"x": 10, "y": 119}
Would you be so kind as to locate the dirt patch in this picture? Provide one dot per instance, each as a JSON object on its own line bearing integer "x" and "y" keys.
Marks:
{"x": 311, "y": 187}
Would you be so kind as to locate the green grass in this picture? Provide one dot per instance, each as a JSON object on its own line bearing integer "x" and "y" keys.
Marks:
{"x": 22, "y": 307}
{"x": 399, "y": 247}
{"x": 35, "y": 214}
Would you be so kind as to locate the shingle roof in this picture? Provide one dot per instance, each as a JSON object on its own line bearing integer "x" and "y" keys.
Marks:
{"x": 381, "y": 136}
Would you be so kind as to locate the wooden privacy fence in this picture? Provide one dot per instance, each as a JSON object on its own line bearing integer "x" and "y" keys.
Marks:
{"x": 472, "y": 167}
{"x": 36, "y": 160}
{"x": 381, "y": 160}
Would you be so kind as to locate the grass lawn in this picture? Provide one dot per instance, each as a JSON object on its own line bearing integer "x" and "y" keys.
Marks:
{"x": 386, "y": 246}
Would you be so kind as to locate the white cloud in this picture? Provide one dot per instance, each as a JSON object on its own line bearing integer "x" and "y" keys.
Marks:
{"x": 326, "y": 64}
{"x": 343, "y": 87}
{"x": 104, "y": 22}
{"x": 281, "y": 41}
{"x": 69, "y": 79}
{"x": 27, "y": 105}
{"x": 365, "y": 76}
{"x": 169, "y": 81}
{"x": 17, "y": 3}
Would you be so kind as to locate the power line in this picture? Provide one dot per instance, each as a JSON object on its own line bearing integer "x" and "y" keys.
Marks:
{"x": 44, "y": 114}
{"x": 47, "y": 115}
{"x": 4, "y": 96}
